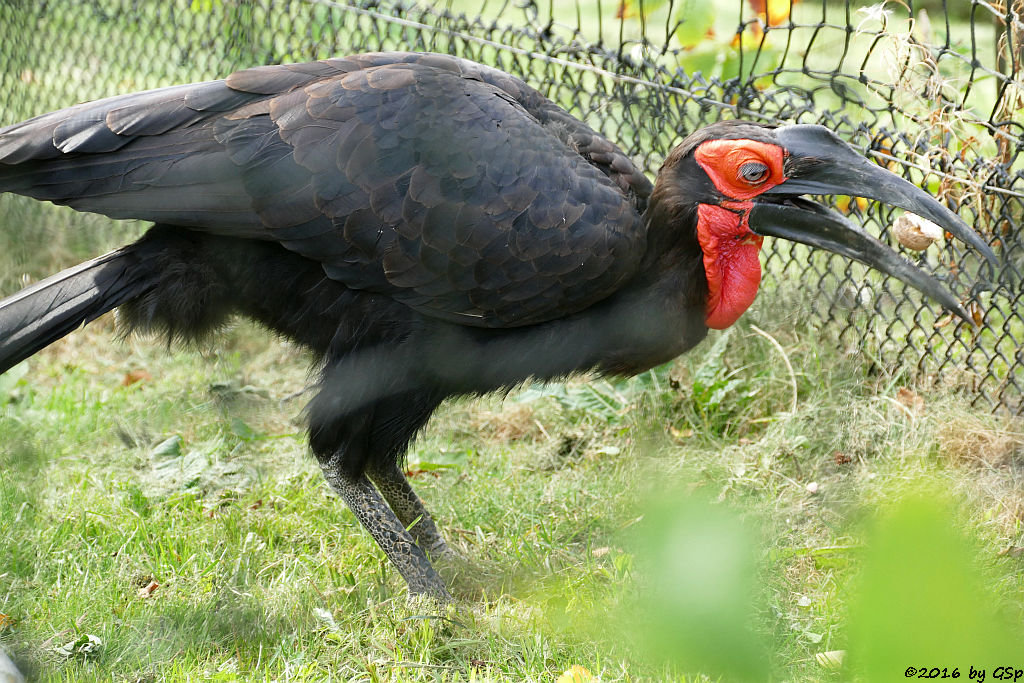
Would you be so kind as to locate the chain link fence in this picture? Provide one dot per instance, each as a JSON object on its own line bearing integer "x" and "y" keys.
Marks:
{"x": 934, "y": 90}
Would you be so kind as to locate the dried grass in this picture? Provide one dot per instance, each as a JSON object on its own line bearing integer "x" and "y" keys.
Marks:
{"x": 982, "y": 440}
{"x": 513, "y": 422}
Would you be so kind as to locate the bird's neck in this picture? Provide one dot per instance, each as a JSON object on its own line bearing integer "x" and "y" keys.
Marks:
{"x": 711, "y": 248}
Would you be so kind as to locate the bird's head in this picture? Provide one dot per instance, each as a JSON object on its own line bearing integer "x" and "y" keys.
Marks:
{"x": 745, "y": 182}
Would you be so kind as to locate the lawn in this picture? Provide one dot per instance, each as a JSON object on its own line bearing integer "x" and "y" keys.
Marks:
{"x": 702, "y": 520}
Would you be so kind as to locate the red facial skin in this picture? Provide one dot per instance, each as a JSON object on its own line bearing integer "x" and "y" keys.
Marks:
{"x": 731, "y": 251}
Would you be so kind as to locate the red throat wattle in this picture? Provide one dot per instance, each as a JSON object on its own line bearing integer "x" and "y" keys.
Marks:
{"x": 732, "y": 262}
{"x": 740, "y": 170}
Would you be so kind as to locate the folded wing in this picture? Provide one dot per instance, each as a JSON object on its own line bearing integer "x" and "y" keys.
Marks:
{"x": 451, "y": 187}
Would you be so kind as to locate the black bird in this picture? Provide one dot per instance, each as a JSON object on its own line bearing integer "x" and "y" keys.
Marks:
{"x": 429, "y": 227}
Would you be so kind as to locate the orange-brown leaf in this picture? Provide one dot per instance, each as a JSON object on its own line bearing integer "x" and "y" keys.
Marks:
{"x": 773, "y": 12}
{"x": 977, "y": 315}
{"x": 133, "y": 376}
{"x": 910, "y": 399}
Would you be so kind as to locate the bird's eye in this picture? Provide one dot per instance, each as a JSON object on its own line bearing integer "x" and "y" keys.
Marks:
{"x": 754, "y": 172}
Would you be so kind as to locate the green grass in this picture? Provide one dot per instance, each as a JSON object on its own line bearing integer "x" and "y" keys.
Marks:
{"x": 581, "y": 511}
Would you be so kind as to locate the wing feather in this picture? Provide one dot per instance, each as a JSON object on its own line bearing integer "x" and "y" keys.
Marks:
{"x": 448, "y": 185}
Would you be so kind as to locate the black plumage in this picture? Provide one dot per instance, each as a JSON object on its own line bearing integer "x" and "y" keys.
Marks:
{"x": 428, "y": 226}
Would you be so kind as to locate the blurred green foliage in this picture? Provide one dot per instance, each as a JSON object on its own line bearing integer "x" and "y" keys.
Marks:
{"x": 698, "y": 605}
{"x": 923, "y": 599}
{"x": 918, "y": 594}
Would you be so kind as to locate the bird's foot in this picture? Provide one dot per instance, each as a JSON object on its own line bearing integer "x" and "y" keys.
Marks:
{"x": 458, "y": 569}
{"x": 426, "y": 584}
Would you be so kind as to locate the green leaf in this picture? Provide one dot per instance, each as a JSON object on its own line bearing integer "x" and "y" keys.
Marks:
{"x": 434, "y": 466}
{"x": 442, "y": 460}
{"x": 694, "y": 19}
{"x": 641, "y": 8}
{"x": 86, "y": 645}
{"x": 169, "y": 448}
{"x": 243, "y": 431}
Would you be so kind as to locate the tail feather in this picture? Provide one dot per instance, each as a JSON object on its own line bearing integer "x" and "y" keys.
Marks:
{"x": 41, "y": 314}
{"x": 183, "y": 285}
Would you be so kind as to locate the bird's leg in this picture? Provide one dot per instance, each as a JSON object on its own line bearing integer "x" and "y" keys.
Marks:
{"x": 389, "y": 533}
{"x": 395, "y": 488}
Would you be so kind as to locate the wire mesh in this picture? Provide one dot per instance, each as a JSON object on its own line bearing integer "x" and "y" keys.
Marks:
{"x": 933, "y": 90}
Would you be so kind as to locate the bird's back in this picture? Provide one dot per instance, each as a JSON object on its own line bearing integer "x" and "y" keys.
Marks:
{"x": 454, "y": 188}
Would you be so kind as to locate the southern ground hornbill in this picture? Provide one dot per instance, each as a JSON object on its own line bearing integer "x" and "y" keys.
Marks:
{"x": 429, "y": 227}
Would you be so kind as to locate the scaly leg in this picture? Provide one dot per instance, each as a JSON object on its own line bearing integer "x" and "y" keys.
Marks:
{"x": 389, "y": 533}
{"x": 395, "y": 488}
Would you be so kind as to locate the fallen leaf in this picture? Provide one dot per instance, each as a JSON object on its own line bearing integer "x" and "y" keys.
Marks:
{"x": 327, "y": 617}
{"x": 86, "y": 645}
{"x": 169, "y": 447}
{"x": 680, "y": 434}
{"x": 831, "y": 660}
{"x": 147, "y": 590}
{"x": 575, "y": 674}
{"x": 133, "y": 376}
{"x": 6, "y": 622}
{"x": 841, "y": 458}
{"x": 416, "y": 471}
{"x": 910, "y": 399}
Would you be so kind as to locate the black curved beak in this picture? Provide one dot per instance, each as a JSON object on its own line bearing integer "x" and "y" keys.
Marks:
{"x": 819, "y": 163}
